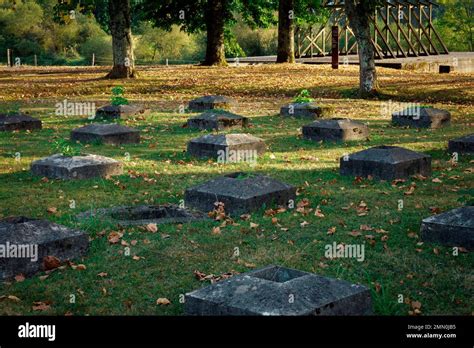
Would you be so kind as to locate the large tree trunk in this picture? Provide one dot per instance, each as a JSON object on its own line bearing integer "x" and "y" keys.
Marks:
{"x": 286, "y": 32}
{"x": 122, "y": 45}
{"x": 359, "y": 23}
{"x": 215, "y": 21}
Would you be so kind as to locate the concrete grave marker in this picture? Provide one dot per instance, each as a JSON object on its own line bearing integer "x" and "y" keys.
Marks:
{"x": 217, "y": 120}
{"x": 25, "y": 242}
{"x": 145, "y": 214}
{"x": 386, "y": 163}
{"x": 279, "y": 291}
{"x": 336, "y": 129}
{"x": 422, "y": 117}
{"x": 234, "y": 147}
{"x": 107, "y": 134}
{"x": 306, "y": 110}
{"x": 111, "y": 112}
{"x": 76, "y": 167}
{"x": 210, "y": 102}
{"x": 463, "y": 145}
{"x": 452, "y": 228}
{"x": 18, "y": 122}
{"x": 240, "y": 193}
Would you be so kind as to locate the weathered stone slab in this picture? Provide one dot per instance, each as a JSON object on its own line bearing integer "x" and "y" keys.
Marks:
{"x": 386, "y": 163}
{"x": 305, "y": 110}
{"x": 145, "y": 214}
{"x": 422, "y": 117}
{"x": 463, "y": 145}
{"x": 268, "y": 291}
{"x": 111, "y": 112}
{"x": 336, "y": 129}
{"x": 114, "y": 134}
{"x": 452, "y": 228}
{"x": 19, "y": 122}
{"x": 210, "y": 102}
{"x": 216, "y": 120}
{"x": 33, "y": 240}
{"x": 240, "y": 193}
{"x": 76, "y": 167}
{"x": 230, "y": 147}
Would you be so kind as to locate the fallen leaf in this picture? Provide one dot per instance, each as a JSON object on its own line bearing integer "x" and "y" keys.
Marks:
{"x": 51, "y": 262}
{"x": 40, "y": 306}
{"x": 114, "y": 237}
{"x": 19, "y": 278}
{"x": 151, "y": 228}
{"x": 163, "y": 301}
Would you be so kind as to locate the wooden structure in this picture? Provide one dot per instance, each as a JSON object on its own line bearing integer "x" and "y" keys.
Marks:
{"x": 400, "y": 29}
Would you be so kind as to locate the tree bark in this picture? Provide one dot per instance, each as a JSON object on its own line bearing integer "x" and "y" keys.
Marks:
{"x": 360, "y": 25}
{"x": 215, "y": 21}
{"x": 286, "y": 32}
{"x": 122, "y": 44}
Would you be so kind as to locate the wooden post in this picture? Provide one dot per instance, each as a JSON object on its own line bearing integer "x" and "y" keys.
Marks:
{"x": 335, "y": 47}
{"x": 36, "y": 60}
{"x": 9, "y": 58}
{"x": 93, "y": 59}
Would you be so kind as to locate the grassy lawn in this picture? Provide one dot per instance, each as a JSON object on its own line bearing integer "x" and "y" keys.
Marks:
{"x": 396, "y": 262}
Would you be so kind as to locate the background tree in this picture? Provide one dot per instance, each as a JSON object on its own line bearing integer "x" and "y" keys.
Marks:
{"x": 358, "y": 13}
{"x": 122, "y": 41}
{"x": 117, "y": 19}
{"x": 213, "y": 16}
{"x": 290, "y": 14}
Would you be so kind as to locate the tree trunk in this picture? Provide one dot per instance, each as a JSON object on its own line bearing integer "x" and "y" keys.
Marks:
{"x": 215, "y": 21}
{"x": 359, "y": 23}
{"x": 122, "y": 45}
{"x": 286, "y": 32}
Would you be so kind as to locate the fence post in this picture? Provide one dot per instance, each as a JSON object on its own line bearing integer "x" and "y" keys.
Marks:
{"x": 9, "y": 60}
{"x": 93, "y": 59}
{"x": 335, "y": 47}
{"x": 36, "y": 60}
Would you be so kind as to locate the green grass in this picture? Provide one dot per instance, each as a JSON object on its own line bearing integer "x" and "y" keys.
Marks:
{"x": 397, "y": 266}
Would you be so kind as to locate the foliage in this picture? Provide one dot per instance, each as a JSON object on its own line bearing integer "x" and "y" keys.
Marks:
{"x": 456, "y": 24}
{"x": 117, "y": 97}
{"x": 67, "y": 148}
{"x": 303, "y": 97}
{"x": 155, "y": 44}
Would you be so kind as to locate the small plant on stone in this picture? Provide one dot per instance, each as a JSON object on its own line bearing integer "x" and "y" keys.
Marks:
{"x": 303, "y": 97}
{"x": 117, "y": 96}
{"x": 67, "y": 148}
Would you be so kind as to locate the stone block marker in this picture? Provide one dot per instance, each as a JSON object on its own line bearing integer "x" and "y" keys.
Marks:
{"x": 422, "y": 117}
{"x": 18, "y": 122}
{"x": 217, "y": 120}
{"x": 76, "y": 167}
{"x": 279, "y": 291}
{"x": 240, "y": 193}
{"x": 144, "y": 215}
{"x": 336, "y": 129}
{"x": 210, "y": 102}
{"x": 463, "y": 145}
{"x": 452, "y": 228}
{"x": 228, "y": 147}
{"x": 306, "y": 110}
{"x": 386, "y": 163}
{"x": 31, "y": 240}
{"x": 111, "y": 112}
{"x": 113, "y": 134}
